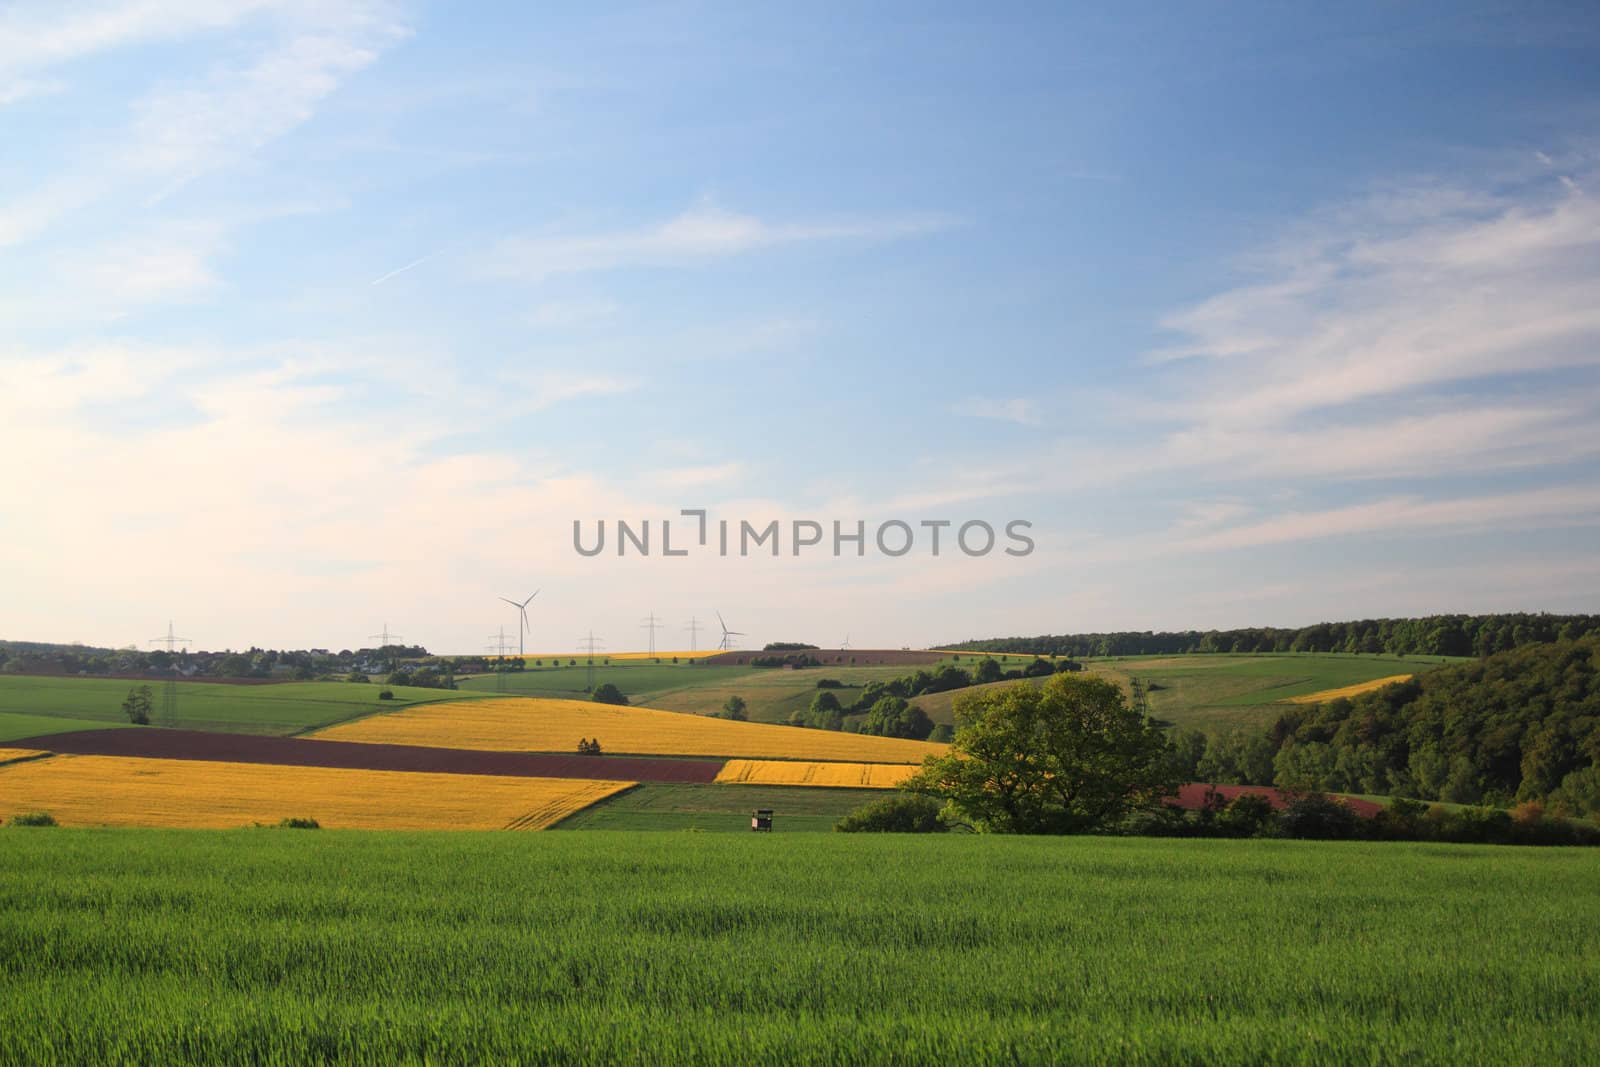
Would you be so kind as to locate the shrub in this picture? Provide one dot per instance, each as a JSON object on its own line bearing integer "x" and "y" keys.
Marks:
{"x": 1318, "y": 816}
{"x": 587, "y": 747}
{"x": 137, "y": 706}
{"x": 358, "y": 677}
{"x": 387, "y": 694}
{"x": 734, "y": 708}
{"x": 943, "y": 732}
{"x": 608, "y": 693}
{"x": 895, "y": 815}
{"x": 1247, "y": 816}
{"x": 299, "y": 824}
{"x": 33, "y": 818}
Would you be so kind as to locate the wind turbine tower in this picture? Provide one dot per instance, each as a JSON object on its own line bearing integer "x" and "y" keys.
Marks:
{"x": 523, "y": 626}
{"x": 727, "y": 634}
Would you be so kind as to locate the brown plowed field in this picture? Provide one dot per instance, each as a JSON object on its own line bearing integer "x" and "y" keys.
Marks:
{"x": 350, "y": 755}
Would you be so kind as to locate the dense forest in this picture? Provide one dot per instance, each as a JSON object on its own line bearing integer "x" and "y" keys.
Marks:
{"x": 1432, "y": 635}
{"x": 1522, "y": 725}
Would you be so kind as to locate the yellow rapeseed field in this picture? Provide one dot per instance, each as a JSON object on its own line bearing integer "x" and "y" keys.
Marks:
{"x": 126, "y": 791}
{"x": 9, "y": 754}
{"x": 794, "y": 772}
{"x": 532, "y": 724}
{"x": 617, "y": 657}
{"x": 1348, "y": 690}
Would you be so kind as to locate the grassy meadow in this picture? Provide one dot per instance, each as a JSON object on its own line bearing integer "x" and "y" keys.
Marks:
{"x": 719, "y": 808}
{"x": 297, "y": 947}
{"x": 1215, "y": 692}
{"x": 36, "y": 705}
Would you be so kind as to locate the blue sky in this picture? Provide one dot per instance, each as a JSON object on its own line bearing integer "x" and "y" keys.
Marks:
{"x": 325, "y": 315}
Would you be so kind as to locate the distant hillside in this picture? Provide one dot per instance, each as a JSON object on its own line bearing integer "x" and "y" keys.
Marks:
{"x": 1432, "y": 635}
{"x": 1519, "y": 725}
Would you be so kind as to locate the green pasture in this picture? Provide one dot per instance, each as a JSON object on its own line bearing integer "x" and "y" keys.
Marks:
{"x": 57, "y": 704}
{"x": 303, "y": 947}
{"x": 1218, "y": 691}
{"x": 682, "y": 806}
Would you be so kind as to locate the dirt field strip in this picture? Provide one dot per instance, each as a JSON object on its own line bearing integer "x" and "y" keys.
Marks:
{"x": 154, "y": 743}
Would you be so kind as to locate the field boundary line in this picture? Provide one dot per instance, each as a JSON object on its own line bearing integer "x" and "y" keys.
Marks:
{"x": 32, "y": 757}
{"x": 608, "y": 798}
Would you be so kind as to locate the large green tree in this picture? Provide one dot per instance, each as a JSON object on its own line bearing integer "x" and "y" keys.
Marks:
{"x": 1065, "y": 757}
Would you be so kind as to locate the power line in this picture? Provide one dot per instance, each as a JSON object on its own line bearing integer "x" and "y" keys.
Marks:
{"x": 652, "y": 624}
{"x": 590, "y": 642}
{"x": 694, "y": 634}
{"x": 169, "y": 692}
{"x": 386, "y": 637}
{"x": 502, "y": 645}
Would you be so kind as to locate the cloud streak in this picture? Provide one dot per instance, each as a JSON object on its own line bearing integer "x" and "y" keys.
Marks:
{"x": 701, "y": 235}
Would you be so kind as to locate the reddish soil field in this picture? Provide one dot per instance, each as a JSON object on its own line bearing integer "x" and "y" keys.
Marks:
{"x": 1192, "y": 797}
{"x": 350, "y": 755}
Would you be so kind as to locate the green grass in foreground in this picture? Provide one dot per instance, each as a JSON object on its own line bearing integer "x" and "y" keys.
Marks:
{"x": 286, "y": 708}
{"x": 293, "y": 947}
{"x": 672, "y": 806}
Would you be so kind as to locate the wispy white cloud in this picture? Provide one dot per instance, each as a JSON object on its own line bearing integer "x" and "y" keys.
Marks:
{"x": 182, "y": 130}
{"x": 25, "y": 88}
{"x": 542, "y": 389}
{"x": 703, "y": 234}
{"x": 1521, "y": 510}
{"x": 700, "y": 476}
{"x": 1020, "y": 410}
{"x": 380, "y": 279}
{"x": 1381, "y": 304}
{"x": 569, "y": 314}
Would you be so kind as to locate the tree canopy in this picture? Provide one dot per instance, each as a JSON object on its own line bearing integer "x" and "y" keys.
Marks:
{"x": 1065, "y": 757}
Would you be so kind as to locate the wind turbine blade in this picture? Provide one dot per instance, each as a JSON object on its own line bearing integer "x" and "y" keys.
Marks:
{"x": 535, "y": 593}
{"x": 513, "y": 603}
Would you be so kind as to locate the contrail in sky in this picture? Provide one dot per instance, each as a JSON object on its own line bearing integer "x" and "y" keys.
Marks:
{"x": 402, "y": 270}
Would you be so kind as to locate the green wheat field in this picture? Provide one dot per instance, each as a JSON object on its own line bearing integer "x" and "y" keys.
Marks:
{"x": 293, "y": 947}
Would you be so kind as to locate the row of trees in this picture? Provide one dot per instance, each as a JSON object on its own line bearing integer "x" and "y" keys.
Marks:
{"x": 303, "y": 664}
{"x": 1072, "y": 756}
{"x": 1522, "y": 725}
{"x": 1432, "y": 635}
{"x": 884, "y": 707}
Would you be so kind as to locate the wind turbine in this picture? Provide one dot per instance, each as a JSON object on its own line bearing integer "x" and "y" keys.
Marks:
{"x": 725, "y": 643}
{"x": 523, "y": 626}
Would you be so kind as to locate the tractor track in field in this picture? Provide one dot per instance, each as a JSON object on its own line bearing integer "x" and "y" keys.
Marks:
{"x": 155, "y": 743}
